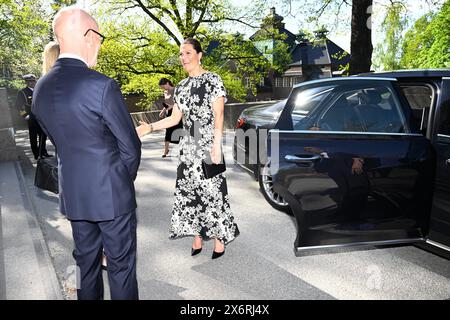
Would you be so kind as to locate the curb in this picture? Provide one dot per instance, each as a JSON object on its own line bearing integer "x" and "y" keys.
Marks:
{"x": 51, "y": 283}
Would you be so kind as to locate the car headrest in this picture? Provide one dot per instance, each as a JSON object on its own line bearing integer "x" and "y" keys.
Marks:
{"x": 371, "y": 97}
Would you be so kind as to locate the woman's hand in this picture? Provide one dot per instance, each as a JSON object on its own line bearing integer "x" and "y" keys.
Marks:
{"x": 143, "y": 129}
{"x": 216, "y": 153}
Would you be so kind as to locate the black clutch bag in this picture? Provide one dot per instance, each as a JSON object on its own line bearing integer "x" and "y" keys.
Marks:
{"x": 211, "y": 169}
{"x": 47, "y": 174}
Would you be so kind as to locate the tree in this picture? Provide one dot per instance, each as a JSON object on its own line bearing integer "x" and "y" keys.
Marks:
{"x": 236, "y": 59}
{"x": 25, "y": 28}
{"x": 393, "y": 25}
{"x": 413, "y": 42}
{"x": 137, "y": 57}
{"x": 22, "y": 34}
{"x": 187, "y": 16}
{"x": 138, "y": 54}
{"x": 361, "y": 43}
{"x": 361, "y": 39}
{"x": 361, "y": 34}
{"x": 427, "y": 44}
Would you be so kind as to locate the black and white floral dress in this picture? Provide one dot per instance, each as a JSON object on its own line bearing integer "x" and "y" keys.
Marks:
{"x": 201, "y": 205}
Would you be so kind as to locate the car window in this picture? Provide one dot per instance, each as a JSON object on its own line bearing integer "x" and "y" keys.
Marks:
{"x": 420, "y": 99}
{"x": 444, "y": 121}
{"x": 356, "y": 108}
{"x": 308, "y": 100}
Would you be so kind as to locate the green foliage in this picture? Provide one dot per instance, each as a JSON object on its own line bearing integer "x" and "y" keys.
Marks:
{"x": 387, "y": 53}
{"x": 281, "y": 56}
{"x": 23, "y": 33}
{"x": 176, "y": 18}
{"x": 58, "y": 4}
{"x": 235, "y": 59}
{"x": 427, "y": 43}
{"x": 277, "y": 54}
{"x": 304, "y": 35}
{"x": 142, "y": 46}
{"x": 342, "y": 67}
{"x": 137, "y": 57}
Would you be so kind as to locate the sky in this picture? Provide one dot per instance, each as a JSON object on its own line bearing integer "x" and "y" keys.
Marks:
{"x": 296, "y": 18}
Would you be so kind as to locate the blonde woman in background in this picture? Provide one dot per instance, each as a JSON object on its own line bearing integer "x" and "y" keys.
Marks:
{"x": 50, "y": 55}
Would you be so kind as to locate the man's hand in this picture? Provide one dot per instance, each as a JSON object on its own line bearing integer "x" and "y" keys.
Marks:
{"x": 143, "y": 129}
{"x": 357, "y": 166}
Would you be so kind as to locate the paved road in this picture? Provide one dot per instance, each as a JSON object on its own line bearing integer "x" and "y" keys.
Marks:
{"x": 259, "y": 264}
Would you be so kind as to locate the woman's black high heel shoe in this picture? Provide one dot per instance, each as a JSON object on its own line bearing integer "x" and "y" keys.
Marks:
{"x": 216, "y": 255}
{"x": 195, "y": 251}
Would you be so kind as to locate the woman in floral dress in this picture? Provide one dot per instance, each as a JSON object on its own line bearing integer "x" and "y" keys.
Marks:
{"x": 201, "y": 206}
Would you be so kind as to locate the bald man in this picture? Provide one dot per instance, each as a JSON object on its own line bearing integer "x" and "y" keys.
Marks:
{"x": 83, "y": 113}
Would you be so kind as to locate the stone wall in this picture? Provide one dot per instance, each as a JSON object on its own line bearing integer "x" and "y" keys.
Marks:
{"x": 7, "y": 143}
{"x": 231, "y": 113}
{"x": 17, "y": 121}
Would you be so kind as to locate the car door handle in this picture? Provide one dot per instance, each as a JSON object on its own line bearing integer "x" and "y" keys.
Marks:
{"x": 291, "y": 158}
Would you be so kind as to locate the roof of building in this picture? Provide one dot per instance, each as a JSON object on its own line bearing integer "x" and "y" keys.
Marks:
{"x": 321, "y": 52}
{"x": 273, "y": 21}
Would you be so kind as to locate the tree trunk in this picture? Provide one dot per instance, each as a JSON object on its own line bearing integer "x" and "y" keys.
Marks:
{"x": 361, "y": 39}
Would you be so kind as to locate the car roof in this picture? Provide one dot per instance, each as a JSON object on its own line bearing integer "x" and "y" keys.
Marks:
{"x": 301, "y": 84}
{"x": 420, "y": 73}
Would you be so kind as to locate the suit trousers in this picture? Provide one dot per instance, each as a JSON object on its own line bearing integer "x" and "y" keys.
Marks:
{"x": 118, "y": 239}
{"x": 35, "y": 131}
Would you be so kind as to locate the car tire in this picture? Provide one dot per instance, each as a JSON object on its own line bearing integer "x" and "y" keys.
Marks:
{"x": 266, "y": 188}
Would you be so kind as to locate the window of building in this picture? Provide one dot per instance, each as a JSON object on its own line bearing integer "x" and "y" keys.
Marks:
{"x": 247, "y": 82}
{"x": 261, "y": 81}
{"x": 278, "y": 82}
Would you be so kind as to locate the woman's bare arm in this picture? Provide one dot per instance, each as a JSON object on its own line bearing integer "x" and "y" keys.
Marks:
{"x": 145, "y": 128}
{"x": 216, "y": 151}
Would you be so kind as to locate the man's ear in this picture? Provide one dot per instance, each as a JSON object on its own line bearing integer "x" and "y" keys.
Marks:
{"x": 89, "y": 40}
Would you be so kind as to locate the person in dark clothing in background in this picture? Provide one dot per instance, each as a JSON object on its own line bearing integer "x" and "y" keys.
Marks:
{"x": 23, "y": 104}
{"x": 171, "y": 136}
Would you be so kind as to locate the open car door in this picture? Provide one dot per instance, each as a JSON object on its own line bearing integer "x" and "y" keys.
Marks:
{"x": 348, "y": 159}
{"x": 440, "y": 214}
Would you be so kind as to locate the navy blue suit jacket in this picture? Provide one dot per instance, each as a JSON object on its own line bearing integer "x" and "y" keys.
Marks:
{"x": 83, "y": 113}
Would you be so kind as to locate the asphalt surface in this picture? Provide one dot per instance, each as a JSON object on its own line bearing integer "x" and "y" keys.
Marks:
{"x": 259, "y": 264}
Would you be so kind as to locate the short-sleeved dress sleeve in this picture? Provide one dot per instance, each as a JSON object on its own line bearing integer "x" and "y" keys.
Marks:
{"x": 175, "y": 95}
{"x": 218, "y": 89}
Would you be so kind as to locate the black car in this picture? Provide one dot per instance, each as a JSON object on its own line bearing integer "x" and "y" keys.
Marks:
{"x": 361, "y": 160}
{"x": 249, "y": 150}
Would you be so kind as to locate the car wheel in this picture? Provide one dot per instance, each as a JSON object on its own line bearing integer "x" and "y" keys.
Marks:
{"x": 266, "y": 188}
